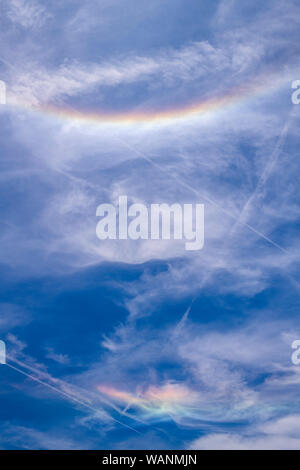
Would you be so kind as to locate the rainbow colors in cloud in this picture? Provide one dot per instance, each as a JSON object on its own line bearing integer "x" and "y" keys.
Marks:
{"x": 237, "y": 94}
{"x": 170, "y": 398}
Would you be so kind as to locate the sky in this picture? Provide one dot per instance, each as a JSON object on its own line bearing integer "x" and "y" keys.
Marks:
{"x": 141, "y": 344}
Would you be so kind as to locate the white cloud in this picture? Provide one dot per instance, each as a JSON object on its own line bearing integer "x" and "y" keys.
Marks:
{"x": 240, "y": 375}
{"x": 27, "y": 13}
{"x": 63, "y": 168}
{"x": 34, "y": 84}
{"x": 280, "y": 434}
{"x": 57, "y": 357}
{"x": 12, "y": 315}
{"x": 28, "y": 438}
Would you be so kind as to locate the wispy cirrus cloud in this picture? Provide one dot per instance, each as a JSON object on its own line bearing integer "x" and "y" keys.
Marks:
{"x": 223, "y": 363}
{"x": 283, "y": 433}
{"x": 22, "y": 437}
{"x": 26, "y": 13}
{"x": 38, "y": 84}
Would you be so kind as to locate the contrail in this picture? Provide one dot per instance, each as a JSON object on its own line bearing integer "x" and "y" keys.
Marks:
{"x": 193, "y": 190}
{"x": 66, "y": 395}
{"x": 209, "y": 200}
{"x": 7, "y": 63}
{"x": 267, "y": 170}
{"x": 105, "y": 401}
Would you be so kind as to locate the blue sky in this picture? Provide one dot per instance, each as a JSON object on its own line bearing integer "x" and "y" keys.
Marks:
{"x": 142, "y": 344}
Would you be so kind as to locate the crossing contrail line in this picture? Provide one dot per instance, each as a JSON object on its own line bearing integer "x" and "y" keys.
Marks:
{"x": 66, "y": 395}
{"x": 209, "y": 200}
{"x": 267, "y": 170}
{"x": 105, "y": 401}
